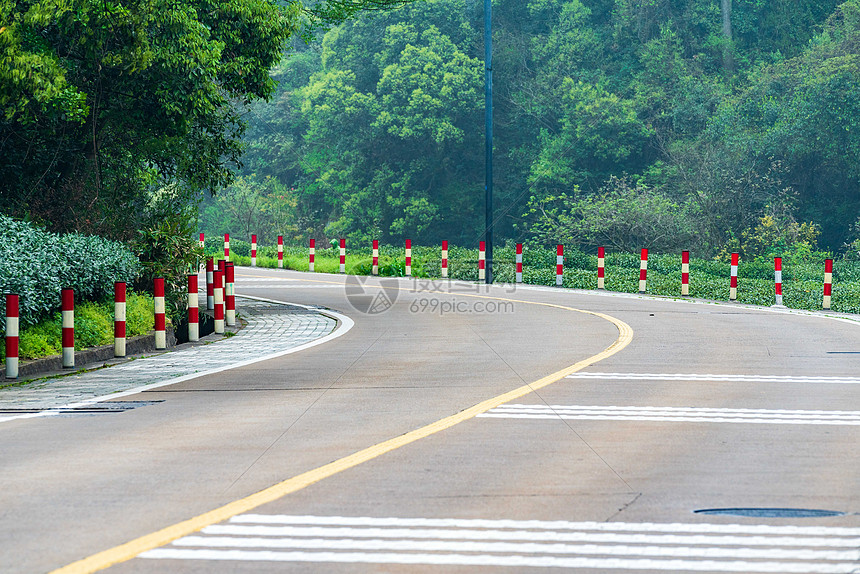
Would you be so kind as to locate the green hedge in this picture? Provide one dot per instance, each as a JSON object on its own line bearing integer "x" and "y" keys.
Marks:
{"x": 37, "y": 264}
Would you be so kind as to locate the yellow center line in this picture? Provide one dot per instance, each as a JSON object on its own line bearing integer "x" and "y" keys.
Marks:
{"x": 133, "y": 548}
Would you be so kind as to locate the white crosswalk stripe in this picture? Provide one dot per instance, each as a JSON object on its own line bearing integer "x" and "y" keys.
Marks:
{"x": 675, "y": 414}
{"x": 715, "y": 378}
{"x": 528, "y": 543}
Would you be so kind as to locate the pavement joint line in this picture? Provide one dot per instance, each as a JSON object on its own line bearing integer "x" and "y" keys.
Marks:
{"x": 223, "y": 349}
{"x": 133, "y": 548}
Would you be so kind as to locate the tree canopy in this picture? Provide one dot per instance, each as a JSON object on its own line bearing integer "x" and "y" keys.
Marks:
{"x": 722, "y": 113}
{"x": 101, "y": 103}
{"x": 101, "y": 100}
{"x": 723, "y": 116}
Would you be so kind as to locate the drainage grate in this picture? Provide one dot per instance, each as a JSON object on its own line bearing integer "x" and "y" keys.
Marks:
{"x": 93, "y": 409}
{"x": 771, "y": 512}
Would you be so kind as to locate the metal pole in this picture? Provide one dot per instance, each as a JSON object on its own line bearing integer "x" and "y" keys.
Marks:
{"x": 488, "y": 113}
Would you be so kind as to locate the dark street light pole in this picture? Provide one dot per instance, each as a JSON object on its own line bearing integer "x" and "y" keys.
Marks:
{"x": 488, "y": 114}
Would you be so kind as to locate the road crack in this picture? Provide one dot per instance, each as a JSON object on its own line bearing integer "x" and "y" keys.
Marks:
{"x": 625, "y": 507}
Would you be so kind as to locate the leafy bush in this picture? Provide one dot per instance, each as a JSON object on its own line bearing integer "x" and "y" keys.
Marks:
{"x": 41, "y": 340}
{"x": 139, "y": 314}
{"x": 239, "y": 247}
{"x": 93, "y": 327}
{"x": 624, "y": 215}
{"x": 166, "y": 247}
{"x": 37, "y": 264}
{"x": 92, "y": 265}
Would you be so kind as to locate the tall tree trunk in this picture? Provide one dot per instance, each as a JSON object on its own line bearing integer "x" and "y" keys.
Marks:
{"x": 728, "y": 58}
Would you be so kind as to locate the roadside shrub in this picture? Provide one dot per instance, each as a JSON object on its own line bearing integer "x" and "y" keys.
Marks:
{"x": 93, "y": 327}
{"x": 91, "y": 265}
{"x": 139, "y": 316}
{"x": 168, "y": 247}
{"x": 239, "y": 247}
{"x": 37, "y": 264}
{"x": 623, "y": 214}
{"x": 41, "y": 340}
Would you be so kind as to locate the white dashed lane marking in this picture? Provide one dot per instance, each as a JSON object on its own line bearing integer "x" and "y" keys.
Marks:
{"x": 529, "y": 543}
{"x": 675, "y": 414}
{"x": 715, "y": 378}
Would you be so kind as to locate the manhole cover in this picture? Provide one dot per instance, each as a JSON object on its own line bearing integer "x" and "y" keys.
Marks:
{"x": 771, "y": 512}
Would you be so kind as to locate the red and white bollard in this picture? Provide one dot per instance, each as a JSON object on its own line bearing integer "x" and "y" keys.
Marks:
{"x": 482, "y": 260}
{"x": 210, "y": 284}
{"x": 68, "y": 302}
{"x": 685, "y": 273}
{"x": 444, "y": 259}
{"x": 733, "y": 278}
{"x": 828, "y": 283}
{"x": 12, "y": 318}
{"x": 226, "y": 247}
{"x": 375, "y": 265}
{"x": 311, "y": 253}
{"x": 160, "y": 317}
{"x": 119, "y": 331}
{"x": 559, "y": 265}
{"x": 280, "y": 251}
{"x": 202, "y": 249}
{"x": 601, "y": 267}
{"x": 518, "y": 273}
{"x": 343, "y": 255}
{"x": 777, "y": 280}
{"x": 219, "y": 302}
{"x": 643, "y": 270}
{"x": 230, "y": 294}
{"x": 253, "y": 251}
{"x": 193, "y": 310}
{"x": 409, "y": 258}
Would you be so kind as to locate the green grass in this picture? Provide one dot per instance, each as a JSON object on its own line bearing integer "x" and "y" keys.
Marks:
{"x": 709, "y": 279}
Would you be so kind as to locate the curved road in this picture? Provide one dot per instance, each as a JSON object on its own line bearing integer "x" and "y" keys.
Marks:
{"x": 305, "y": 462}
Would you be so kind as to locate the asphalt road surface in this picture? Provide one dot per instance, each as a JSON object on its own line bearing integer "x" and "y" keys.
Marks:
{"x": 455, "y": 429}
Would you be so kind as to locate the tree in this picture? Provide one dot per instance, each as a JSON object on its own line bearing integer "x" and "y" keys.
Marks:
{"x": 726, "y": 10}
{"x": 600, "y": 133}
{"x": 622, "y": 215}
{"x": 378, "y": 126}
{"x": 803, "y": 112}
{"x": 104, "y": 102}
{"x": 398, "y": 170}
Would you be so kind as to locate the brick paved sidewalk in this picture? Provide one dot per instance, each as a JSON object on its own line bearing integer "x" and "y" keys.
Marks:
{"x": 271, "y": 328}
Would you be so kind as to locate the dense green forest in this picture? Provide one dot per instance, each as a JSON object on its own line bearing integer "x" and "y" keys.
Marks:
{"x": 117, "y": 116}
{"x": 703, "y": 124}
